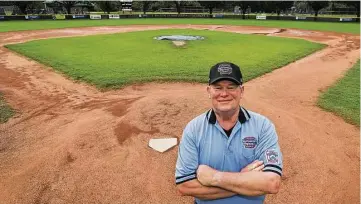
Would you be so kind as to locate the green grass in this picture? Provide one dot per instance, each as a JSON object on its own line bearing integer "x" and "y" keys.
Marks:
{"x": 343, "y": 98}
{"x": 112, "y": 61}
{"x": 6, "y": 111}
{"x": 52, "y": 24}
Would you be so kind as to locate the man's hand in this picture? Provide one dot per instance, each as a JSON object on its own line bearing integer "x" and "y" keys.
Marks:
{"x": 254, "y": 166}
{"x": 205, "y": 175}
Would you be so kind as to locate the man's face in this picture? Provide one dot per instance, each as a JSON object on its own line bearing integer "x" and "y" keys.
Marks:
{"x": 225, "y": 95}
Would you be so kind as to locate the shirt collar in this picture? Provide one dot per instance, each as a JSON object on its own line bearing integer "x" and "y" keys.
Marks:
{"x": 243, "y": 116}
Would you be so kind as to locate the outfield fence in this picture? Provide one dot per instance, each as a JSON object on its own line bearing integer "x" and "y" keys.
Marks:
{"x": 200, "y": 15}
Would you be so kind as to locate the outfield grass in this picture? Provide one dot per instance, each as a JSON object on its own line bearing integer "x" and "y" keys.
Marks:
{"x": 112, "y": 61}
{"x": 343, "y": 98}
{"x": 6, "y": 111}
{"x": 52, "y": 24}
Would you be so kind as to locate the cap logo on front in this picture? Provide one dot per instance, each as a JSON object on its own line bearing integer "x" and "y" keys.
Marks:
{"x": 225, "y": 69}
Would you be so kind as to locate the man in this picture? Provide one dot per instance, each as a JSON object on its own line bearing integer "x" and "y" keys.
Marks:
{"x": 228, "y": 154}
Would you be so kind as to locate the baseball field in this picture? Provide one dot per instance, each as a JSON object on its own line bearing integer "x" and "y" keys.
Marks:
{"x": 119, "y": 62}
{"x": 86, "y": 97}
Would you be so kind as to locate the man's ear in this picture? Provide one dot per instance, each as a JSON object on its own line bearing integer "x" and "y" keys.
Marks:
{"x": 209, "y": 91}
{"x": 242, "y": 90}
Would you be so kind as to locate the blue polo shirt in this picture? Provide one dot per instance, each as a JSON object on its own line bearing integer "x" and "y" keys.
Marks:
{"x": 204, "y": 142}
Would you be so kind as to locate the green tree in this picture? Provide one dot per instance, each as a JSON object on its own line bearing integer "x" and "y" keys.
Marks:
{"x": 145, "y": 6}
{"x": 7, "y": 3}
{"x": 302, "y": 7}
{"x": 246, "y": 5}
{"x": 317, "y": 5}
{"x": 85, "y": 5}
{"x": 178, "y": 5}
{"x": 55, "y": 5}
{"x": 157, "y": 5}
{"x": 354, "y": 4}
{"x": 22, "y": 5}
{"x": 211, "y": 5}
{"x": 105, "y": 6}
{"x": 279, "y": 6}
{"x": 67, "y": 5}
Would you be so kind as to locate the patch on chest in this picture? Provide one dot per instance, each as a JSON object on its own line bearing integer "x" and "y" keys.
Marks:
{"x": 272, "y": 156}
{"x": 249, "y": 142}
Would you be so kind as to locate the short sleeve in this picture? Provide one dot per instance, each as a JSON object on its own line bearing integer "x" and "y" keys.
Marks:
{"x": 268, "y": 149}
{"x": 187, "y": 162}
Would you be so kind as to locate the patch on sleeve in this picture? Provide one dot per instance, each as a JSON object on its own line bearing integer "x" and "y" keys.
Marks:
{"x": 272, "y": 156}
{"x": 249, "y": 142}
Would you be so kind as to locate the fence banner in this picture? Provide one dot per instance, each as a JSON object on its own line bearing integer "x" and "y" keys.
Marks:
{"x": 95, "y": 17}
{"x": 113, "y": 16}
{"x": 346, "y": 19}
{"x": 261, "y": 17}
{"x": 218, "y": 16}
{"x": 301, "y": 17}
{"x": 31, "y": 17}
{"x": 59, "y": 17}
{"x": 79, "y": 16}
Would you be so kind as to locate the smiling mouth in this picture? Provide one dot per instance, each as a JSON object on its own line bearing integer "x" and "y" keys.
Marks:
{"x": 224, "y": 101}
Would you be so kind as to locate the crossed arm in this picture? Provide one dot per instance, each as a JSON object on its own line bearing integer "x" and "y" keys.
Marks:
{"x": 212, "y": 184}
{"x": 196, "y": 189}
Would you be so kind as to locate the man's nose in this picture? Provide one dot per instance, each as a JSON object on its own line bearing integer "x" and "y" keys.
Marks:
{"x": 224, "y": 92}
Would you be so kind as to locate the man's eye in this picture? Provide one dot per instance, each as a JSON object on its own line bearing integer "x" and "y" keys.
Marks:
{"x": 218, "y": 88}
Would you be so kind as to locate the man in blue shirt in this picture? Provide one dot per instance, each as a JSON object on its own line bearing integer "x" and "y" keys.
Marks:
{"x": 228, "y": 154}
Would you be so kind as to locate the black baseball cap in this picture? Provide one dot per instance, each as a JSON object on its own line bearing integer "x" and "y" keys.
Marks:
{"x": 225, "y": 71}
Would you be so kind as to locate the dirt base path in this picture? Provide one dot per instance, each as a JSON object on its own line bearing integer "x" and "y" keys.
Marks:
{"x": 74, "y": 144}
